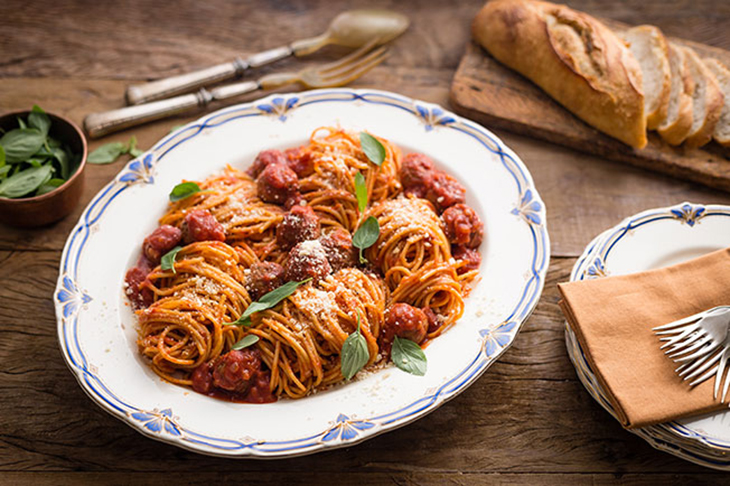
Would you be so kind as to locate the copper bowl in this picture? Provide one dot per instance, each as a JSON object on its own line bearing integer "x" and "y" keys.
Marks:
{"x": 52, "y": 206}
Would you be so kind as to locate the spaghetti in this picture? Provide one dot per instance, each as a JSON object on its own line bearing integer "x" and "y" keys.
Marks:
{"x": 290, "y": 218}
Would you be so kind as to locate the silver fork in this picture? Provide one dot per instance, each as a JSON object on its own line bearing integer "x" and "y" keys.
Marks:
{"x": 338, "y": 73}
{"x": 701, "y": 343}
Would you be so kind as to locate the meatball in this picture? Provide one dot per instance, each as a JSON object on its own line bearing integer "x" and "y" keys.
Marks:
{"x": 469, "y": 257}
{"x": 444, "y": 191}
{"x": 404, "y": 321}
{"x": 463, "y": 226}
{"x": 299, "y": 224}
{"x": 277, "y": 183}
{"x": 140, "y": 296}
{"x": 416, "y": 173}
{"x": 200, "y": 225}
{"x": 300, "y": 161}
{"x": 307, "y": 260}
{"x": 265, "y": 159}
{"x": 202, "y": 378}
{"x": 162, "y": 240}
{"x": 235, "y": 370}
{"x": 434, "y": 322}
{"x": 340, "y": 252}
{"x": 264, "y": 277}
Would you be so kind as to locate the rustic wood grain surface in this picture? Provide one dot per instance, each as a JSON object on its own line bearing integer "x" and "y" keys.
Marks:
{"x": 527, "y": 421}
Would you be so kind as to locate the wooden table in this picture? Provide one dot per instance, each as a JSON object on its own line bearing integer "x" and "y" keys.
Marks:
{"x": 528, "y": 420}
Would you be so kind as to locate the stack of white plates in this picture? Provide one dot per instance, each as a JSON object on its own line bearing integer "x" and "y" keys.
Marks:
{"x": 653, "y": 239}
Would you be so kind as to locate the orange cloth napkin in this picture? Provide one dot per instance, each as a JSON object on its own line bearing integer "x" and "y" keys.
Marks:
{"x": 613, "y": 317}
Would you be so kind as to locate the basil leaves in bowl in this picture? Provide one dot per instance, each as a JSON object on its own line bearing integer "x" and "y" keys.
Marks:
{"x": 42, "y": 158}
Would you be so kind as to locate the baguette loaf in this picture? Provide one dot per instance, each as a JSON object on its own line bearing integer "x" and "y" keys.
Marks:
{"x": 707, "y": 101}
{"x": 651, "y": 50}
{"x": 722, "y": 74}
{"x": 574, "y": 58}
{"x": 676, "y": 126}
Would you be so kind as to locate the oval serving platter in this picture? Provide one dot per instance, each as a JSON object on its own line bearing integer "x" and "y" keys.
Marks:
{"x": 686, "y": 231}
{"x": 97, "y": 329}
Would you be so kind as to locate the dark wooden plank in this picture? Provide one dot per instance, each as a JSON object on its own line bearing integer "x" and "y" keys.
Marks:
{"x": 424, "y": 478}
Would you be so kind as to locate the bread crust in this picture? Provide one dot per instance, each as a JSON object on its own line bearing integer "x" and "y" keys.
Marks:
{"x": 713, "y": 99}
{"x": 573, "y": 57}
{"x": 676, "y": 132}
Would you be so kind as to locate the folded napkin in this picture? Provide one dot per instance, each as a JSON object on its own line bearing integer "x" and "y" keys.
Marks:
{"x": 613, "y": 319}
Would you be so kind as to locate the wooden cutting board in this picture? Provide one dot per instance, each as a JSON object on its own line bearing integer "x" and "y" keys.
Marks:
{"x": 494, "y": 95}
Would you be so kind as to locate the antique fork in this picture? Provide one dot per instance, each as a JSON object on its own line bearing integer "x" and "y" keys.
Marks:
{"x": 701, "y": 343}
{"x": 338, "y": 73}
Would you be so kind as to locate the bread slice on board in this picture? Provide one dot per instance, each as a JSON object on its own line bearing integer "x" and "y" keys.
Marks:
{"x": 573, "y": 57}
{"x": 707, "y": 101}
{"x": 650, "y": 48}
{"x": 722, "y": 74}
{"x": 678, "y": 122}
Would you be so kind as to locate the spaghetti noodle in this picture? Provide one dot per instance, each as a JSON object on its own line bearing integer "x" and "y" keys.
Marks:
{"x": 290, "y": 218}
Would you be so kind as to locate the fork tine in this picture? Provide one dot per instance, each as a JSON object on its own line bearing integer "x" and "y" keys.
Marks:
{"x": 351, "y": 56}
{"x": 352, "y": 76}
{"x": 727, "y": 377}
{"x": 718, "y": 378}
{"x": 693, "y": 338}
{"x": 702, "y": 369}
{"x": 687, "y": 368}
{"x": 703, "y": 377}
{"x": 686, "y": 320}
{"x": 347, "y": 67}
{"x": 708, "y": 349}
{"x": 697, "y": 345}
{"x": 678, "y": 331}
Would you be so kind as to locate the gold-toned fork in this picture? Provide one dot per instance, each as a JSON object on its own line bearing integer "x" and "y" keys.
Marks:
{"x": 338, "y": 73}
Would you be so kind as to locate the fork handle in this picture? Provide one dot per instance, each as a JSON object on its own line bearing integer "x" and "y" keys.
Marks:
{"x": 164, "y": 88}
{"x": 98, "y": 124}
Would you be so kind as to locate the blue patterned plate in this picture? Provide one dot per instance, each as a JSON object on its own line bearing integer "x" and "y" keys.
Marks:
{"x": 653, "y": 239}
{"x": 96, "y": 328}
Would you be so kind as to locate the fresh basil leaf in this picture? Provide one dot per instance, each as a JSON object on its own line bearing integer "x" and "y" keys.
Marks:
{"x": 183, "y": 190}
{"x": 408, "y": 356}
{"x": 21, "y": 143}
{"x": 366, "y": 236}
{"x": 53, "y": 142}
{"x": 107, "y": 153}
{"x": 2, "y": 156}
{"x": 168, "y": 259}
{"x": 372, "y": 148}
{"x": 354, "y": 354}
{"x": 35, "y": 162}
{"x": 63, "y": 161}
{"x": 135, "y": 152}
{"x": 361, "y": 191}
{"x": 25, "y": 182}
{"x": 246, "y": 341}
{"x": 49, "y": 186}
{"x": 268, "y": 301}
{"x": 4, "y": 171}
{"x": 38, "y": 119}
{"x": 21, "y": 123}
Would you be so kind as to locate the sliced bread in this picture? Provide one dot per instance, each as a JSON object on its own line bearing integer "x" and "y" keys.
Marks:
{"x": 722, "y": 74}
{"x": 649, "y": 47}
{"x": 678, "y": 122}
{"x": 707, "y": 101}
{"x": 573, "y": 57}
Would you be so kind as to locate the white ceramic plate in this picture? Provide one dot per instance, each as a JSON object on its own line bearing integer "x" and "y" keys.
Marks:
{"x": 653, "y": 239}
{"x": 97, "y": 330}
